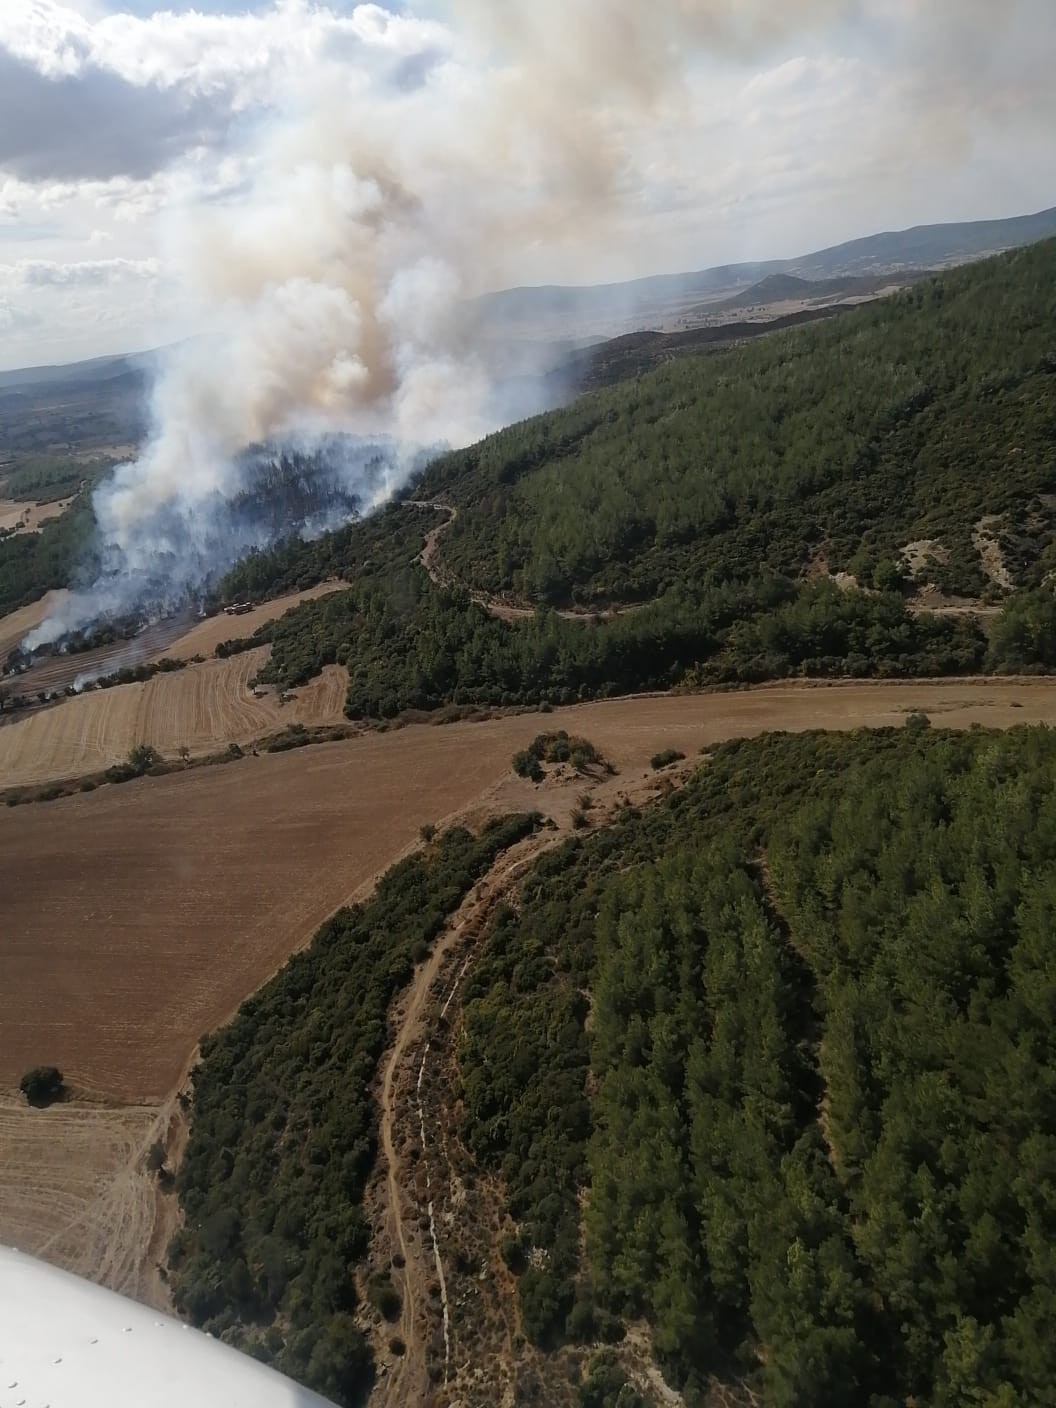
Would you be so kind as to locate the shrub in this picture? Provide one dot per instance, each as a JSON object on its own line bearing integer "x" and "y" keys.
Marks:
{"x": 512, "y": 1252}
{"x": 43, "y": 1085}
{"x": 384, "y": 1296}
{"x": 556, "y": 747}
{"x": 525, "y": 764}
{"x": 665, "y": 759}
{"x": 156, "y": 1157}
{"x": 143, "y": 757}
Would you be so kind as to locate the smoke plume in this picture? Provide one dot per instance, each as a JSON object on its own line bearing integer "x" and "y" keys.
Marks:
{"x": 334, "y": 286}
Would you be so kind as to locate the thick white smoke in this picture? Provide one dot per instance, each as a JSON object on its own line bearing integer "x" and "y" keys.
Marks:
{"x": 333, "y": 287}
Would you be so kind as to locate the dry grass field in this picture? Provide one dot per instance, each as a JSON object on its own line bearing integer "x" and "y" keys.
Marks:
{"x": 201, "y": 708}
{"x": 205, "y": 636}
{"x": 72, "y": 1188}
{"x": 29, "y": 517}
{"x": 15, "y": 625}
{"x": 138, "y": 917}
{"x": 179, "y": 637}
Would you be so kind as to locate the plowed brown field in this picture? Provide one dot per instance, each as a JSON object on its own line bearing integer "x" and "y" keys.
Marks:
{"x": 201, "y": 708}
{"x": 138, "y": 917}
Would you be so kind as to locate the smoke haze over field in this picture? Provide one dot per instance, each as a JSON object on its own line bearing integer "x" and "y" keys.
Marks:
{"x": 395, "y": 166}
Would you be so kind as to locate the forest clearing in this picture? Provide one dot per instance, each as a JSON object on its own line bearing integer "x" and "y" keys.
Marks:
{"x": 205, "y": 636}
{"x": 16, "y": 516}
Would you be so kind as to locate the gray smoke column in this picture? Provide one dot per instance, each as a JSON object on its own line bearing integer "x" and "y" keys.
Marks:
{"x": 333, "y": 288}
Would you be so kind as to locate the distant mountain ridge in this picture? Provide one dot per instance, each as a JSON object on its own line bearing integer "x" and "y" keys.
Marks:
{"x": 641, "y": 303}
{"x": 135, "y": 365}
{"x": 790, "y": 288}
{"x": 891, "y": 252}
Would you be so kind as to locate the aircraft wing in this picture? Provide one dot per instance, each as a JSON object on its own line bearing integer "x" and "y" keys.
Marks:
{"x": 65, "y": 1343}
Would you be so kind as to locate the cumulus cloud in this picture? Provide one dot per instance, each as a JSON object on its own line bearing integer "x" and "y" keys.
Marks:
{"x": 84, "y": 98}
{"x": 89, "y": 273}
{"x": 786, "y": 134}
{"x": 96, "y": 125}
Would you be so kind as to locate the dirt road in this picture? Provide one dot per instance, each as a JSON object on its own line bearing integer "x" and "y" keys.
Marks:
{"x": 506, "y": 608}
{"x": 403, "y": 1070}
{"x": 136, "y": 918}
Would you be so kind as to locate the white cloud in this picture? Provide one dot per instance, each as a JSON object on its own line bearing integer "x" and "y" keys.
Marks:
{"x": 235, "y": 54}
{"x": 14, "y": 319}
{"x": 43, "y": 273}
{"x": 898, "y": 112}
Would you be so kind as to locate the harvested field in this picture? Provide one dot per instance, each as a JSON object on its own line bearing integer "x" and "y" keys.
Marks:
{"x": 73, "y": 1191}
{"x": 205, "y": 636}
{"x": 56, "y": 673}
{"x": 28, "y": 517}
{"x": 201, "y": 708}
{"x": 15, "y": 625}
{"x": 178, "y": 637}
{"x": 138, "y": 917}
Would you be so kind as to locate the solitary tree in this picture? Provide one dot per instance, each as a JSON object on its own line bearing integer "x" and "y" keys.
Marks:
{"x": 43, "y": 1085}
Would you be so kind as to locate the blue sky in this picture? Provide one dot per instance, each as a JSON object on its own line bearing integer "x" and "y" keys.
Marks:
{"x": 119, "y": 121}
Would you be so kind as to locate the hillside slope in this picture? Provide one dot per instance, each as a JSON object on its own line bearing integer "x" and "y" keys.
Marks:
{"x": 906, "y": 420}
{"x": 708, "y": 505}
{"x": 819, "y": 1062}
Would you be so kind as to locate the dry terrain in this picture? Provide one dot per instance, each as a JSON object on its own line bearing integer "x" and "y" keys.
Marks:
{"x": 25, "y": 517}
{"x": 73, "y": 1188}
{"x": 201, "y": 708}
{"x": 178, "y": 637}
{"x": 135, "y": 918}
{"x": 15, "y": 625}
{"x": 138, "y": 916}
{"x": 205, "y": 636}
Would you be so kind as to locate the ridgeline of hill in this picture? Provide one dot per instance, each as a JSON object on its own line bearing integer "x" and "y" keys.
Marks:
{"x": 786, "y": 288}
{"x": 905, "y": 420}
{"x": 922, "y": 247}
{"x": 718, "y": 496}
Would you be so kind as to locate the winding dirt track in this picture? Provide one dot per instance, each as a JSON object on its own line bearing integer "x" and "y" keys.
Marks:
{"x": 506, "y": 608}
{"x": 136, "y": 918}
{"x": 409, "y": 1380}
